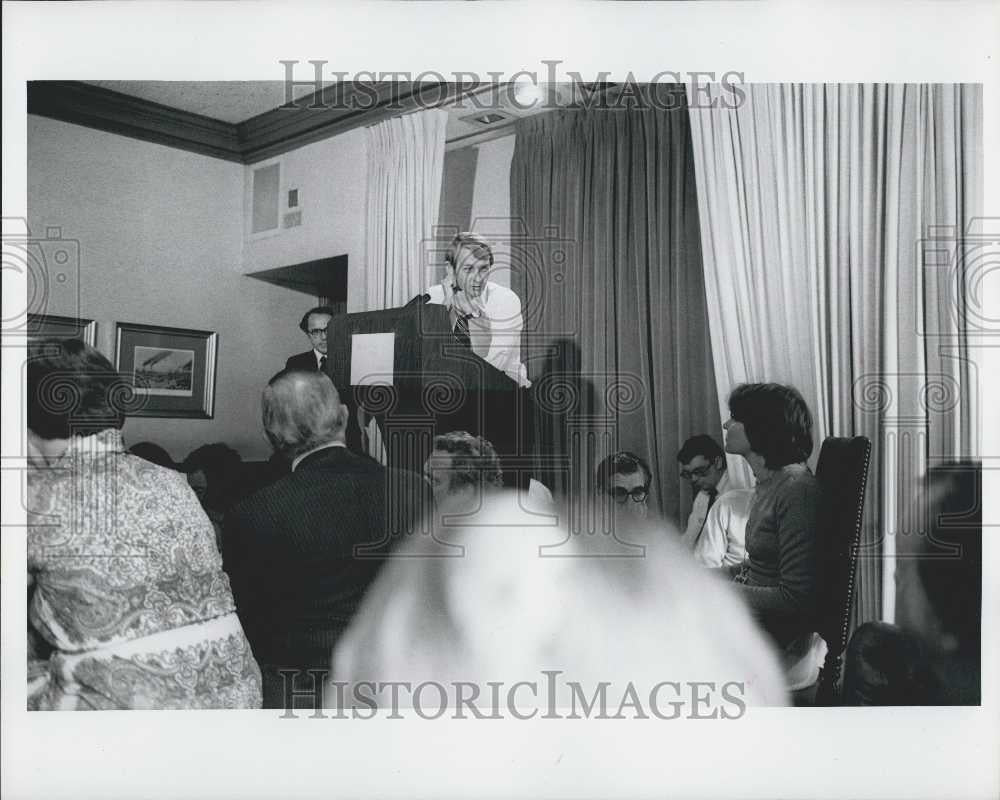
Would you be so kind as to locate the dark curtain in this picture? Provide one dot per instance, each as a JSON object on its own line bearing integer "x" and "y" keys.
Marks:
{"x": 606, "y": 255}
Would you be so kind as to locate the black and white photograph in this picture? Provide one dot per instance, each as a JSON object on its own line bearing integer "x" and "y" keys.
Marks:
{"x": 162, "y": 371}
{"x": 600, "y": 422}
{"x": 170, "y": 371}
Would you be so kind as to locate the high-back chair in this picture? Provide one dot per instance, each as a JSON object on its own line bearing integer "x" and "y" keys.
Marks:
{"x": 842, "y": 472}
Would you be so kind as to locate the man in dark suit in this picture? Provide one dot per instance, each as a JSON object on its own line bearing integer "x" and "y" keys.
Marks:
{"x": 301, "y": 552}
{"x": 313, "y": 324}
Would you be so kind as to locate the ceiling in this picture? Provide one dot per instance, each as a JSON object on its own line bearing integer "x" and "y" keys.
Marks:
{"x": 227, "y": 101}
{"x": 236, "y": 102}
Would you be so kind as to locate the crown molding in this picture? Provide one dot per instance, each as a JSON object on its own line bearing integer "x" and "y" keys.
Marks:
{"x": 336, "y": 109}
{"x": 96, "y": 107}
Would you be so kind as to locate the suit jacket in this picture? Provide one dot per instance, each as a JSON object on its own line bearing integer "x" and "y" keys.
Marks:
{"x": 301, "y": 552}
{"x": 303, "y": 361}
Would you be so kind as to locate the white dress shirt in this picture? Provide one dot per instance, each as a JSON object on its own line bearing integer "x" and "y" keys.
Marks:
{"x": 716, "y": 536}
{"x": 495, "y": 334}
{"x": 722, "y": 542}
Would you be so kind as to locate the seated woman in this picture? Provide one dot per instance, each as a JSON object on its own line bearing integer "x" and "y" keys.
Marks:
{"x": 771, "y": 427}
{"x": 215, "y": 472}
{"x": 130, "y": 607}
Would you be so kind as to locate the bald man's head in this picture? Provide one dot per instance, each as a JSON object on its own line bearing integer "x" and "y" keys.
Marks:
{"x": 301, "y": 411}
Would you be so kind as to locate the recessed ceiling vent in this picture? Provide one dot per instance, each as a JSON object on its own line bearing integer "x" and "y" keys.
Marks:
{"x": 486, "y": 118}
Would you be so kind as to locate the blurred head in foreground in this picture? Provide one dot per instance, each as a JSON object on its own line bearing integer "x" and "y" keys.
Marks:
{"x": 525, "y": 597}
{"x": 940, "y": 578}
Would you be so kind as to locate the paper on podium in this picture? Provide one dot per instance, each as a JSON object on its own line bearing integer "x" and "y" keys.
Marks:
{"x": 372, "y": 358}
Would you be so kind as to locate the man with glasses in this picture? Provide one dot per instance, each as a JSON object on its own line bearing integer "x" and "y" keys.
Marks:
{"x": 313, "y": 324}
{"x": 625, "y": 478}
{"x": 716, "y": 526}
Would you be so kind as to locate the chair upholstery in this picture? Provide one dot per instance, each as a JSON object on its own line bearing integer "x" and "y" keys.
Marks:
{"x": 842, "y": 472}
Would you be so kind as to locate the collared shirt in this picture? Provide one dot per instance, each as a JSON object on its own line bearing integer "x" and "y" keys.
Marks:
{"x": 298, "y": 459}
{"x": 722, "y": 542}
{"x": 495, "y": 334}
{"x": 319, "y": 358}
{"x": 699, "y": 511}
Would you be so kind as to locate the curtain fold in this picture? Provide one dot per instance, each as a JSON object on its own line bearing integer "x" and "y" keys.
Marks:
{"x": 819, "y": 206}
{"x": 405, "y": 158}
{"x": 606, "y": 257}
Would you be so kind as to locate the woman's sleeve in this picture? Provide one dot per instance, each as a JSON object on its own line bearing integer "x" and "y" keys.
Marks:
{"x": 795, "y": 591}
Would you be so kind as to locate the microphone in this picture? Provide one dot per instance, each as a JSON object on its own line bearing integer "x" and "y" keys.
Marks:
{"x": 419, "y": 300}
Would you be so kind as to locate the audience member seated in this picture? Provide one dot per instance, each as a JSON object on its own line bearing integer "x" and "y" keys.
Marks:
{"x": 886, "y": 666}
{"x": 153, "y": 453}
{"x": 128, "y": 591}
{"x": 771, "y": 427}
{"x": 302, "y": 551}
{"x": 215, "y": 472}
{"x": 461, "y": 470}
{"x": 625, "y": 478}
{"x": 940, "y": 580}
{"x": 510, "y": 608}
{"x": 717, "y": 524}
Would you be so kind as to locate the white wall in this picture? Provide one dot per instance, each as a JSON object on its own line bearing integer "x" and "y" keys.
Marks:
{"x": 330, "y": 177}
{"x": 161, "y": 239}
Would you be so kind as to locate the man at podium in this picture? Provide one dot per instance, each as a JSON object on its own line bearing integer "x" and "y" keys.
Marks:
{"x": 485, "y": 316}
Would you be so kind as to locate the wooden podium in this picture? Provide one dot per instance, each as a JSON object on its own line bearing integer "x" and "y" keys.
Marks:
{"x": 435, "y": 385}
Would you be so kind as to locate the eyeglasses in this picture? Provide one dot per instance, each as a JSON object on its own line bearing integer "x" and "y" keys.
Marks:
{"x": 621, "y": 495}
{"x": 317, "y": 332}
{"x": 700, "y": 472}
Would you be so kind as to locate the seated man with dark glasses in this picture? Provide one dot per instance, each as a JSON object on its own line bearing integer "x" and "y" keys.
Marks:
{"x": 626, "y": 478}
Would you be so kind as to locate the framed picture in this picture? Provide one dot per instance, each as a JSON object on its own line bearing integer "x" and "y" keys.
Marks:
{"x": 50, "y": 326}
{"x": 171, "y": 369}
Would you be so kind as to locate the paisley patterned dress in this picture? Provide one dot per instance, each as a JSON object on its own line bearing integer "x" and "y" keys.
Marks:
{"x": 128, "y": 606}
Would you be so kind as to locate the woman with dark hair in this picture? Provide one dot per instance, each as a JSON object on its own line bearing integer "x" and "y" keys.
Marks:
{"x": 128, "y": 597}
{"x": 771, "y": 427}
{"x": 215, "y": 472}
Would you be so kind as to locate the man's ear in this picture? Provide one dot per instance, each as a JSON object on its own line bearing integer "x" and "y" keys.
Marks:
{"x": 343, "y": 416}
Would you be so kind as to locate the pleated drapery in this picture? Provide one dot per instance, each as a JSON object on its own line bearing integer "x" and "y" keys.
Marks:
{"x": 830, "y": 216}
{"x": 405, "y": 162}
{"x": 606, "y": 257}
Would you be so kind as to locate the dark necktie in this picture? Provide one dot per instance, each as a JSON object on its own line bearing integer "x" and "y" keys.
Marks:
{"x": 462, "y": 331}
{"x": 712, "y": 494}
{"x": 322, "y": 363}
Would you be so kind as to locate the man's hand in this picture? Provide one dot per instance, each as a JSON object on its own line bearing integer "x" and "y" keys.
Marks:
{"x": 466, "y": 305}
{"x": 459, "y": 300}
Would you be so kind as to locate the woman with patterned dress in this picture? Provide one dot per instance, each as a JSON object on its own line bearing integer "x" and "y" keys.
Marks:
{"x": 771, "y": 427}
{"x": 128, "y": 603}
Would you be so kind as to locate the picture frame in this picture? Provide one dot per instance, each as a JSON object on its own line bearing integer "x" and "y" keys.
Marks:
{"x": 172, "y": 370}
{"x": 53, "y": 326}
